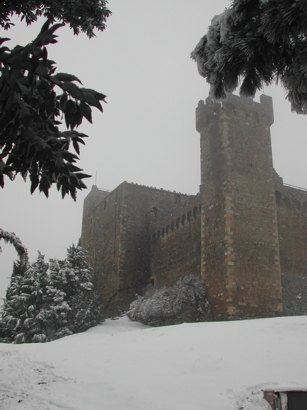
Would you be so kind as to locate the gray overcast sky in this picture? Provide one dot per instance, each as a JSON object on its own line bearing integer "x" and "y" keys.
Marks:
{"x": 147, "y": 132}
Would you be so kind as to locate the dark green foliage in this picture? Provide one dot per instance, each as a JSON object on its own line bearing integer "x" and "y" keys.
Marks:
{"x": 49, "y": 301}
{"x": 164, "y": 306}
{"x": 32, "y": 101}
{"x": 25, "y": 317}
{"x": 86, "y": 311}
{"x": 254, "y": 43}
{"x": 81, "y": 15}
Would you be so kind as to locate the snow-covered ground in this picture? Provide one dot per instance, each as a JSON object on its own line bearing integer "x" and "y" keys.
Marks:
{"x": 125, "y": 365}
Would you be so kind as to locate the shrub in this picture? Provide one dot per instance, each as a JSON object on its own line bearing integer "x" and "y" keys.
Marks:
{"x": 183, "y": 302}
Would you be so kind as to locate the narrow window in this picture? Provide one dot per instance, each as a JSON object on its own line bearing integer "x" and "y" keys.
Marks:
{"x": 278, "y": 197}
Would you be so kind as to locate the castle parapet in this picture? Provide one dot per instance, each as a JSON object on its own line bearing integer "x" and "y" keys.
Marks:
{"x": 261, "y": 112}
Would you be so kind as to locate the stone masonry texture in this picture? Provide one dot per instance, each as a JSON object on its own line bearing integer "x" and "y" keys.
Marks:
{"x": 244, "y": 234}
{"x": 240, "y": 252}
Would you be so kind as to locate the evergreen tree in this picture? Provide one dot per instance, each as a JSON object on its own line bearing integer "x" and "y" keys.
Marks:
{"x": 49, "y": 301}
{"x": 86, "y": 305}
{"x": 256, "y": 42}
{"x": 23, "y": 317}
{"x": 76, "y": 272}
{"x": 86, "y": 311}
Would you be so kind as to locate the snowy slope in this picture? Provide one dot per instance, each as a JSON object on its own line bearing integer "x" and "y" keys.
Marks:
{"x": 124, "y": 365}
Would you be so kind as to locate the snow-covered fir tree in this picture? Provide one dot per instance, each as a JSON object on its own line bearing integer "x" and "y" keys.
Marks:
{"x": 253, "y": 43}
{"x": 24, "y": 317}
{"x": 73, "y": 277}
{"x": 49, "y": 301}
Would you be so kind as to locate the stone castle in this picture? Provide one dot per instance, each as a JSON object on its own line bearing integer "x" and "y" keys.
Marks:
{"x": 244, "y": 234}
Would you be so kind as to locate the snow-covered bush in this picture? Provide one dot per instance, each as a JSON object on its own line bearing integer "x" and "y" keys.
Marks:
{"x": 50, "y": 300}
{"x": 185, "y": 301}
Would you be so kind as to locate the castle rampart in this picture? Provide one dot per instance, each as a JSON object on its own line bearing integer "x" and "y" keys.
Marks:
{"x": 175, "y": 243}
{"x": 244, "y": 234}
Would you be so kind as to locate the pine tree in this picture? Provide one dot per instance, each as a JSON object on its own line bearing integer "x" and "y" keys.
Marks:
{"x": 86, "y": 305}
{"x": 256, "y": 42}
{"x": 86, "y": 311}
{"x": 73, "y": 278}
{"x": 76, "y": 271}
{"x": 49, "y": 301}
{"x": 23, "y": 318}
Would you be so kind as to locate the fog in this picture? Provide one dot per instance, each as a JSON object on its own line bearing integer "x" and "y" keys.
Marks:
{"x": 147, "y": 132}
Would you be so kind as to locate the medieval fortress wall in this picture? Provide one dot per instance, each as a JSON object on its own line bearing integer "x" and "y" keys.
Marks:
{"x": 244, "y": 234}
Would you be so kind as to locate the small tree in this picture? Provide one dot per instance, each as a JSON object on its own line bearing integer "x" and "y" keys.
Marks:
{"x": 256, "y": 42}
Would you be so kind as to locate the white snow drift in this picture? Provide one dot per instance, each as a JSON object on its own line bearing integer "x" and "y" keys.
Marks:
{"x": 124, "y": 365}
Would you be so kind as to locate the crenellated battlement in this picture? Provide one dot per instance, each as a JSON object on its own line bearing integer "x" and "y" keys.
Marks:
{"x": 175, "y": 243}
{"x": 247, "y": 108}
{"x": 238, "y": 234}
{"x": 181, "y": 217}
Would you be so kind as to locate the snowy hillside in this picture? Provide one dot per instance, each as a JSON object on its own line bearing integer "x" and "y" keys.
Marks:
{"x": 125, "y": 365}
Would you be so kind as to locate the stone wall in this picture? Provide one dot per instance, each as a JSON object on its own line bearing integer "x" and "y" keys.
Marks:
{"x": 292, "y": 227}
{"x": 294, "y": 294}
{"x": 92, "y": 200}
{"x": 175, "y": 249}
{"x": 240, "y": 253}
{"x": 116, "y": 234}
{"x": 140, "y": 203}
{"x": 102, "y": 238}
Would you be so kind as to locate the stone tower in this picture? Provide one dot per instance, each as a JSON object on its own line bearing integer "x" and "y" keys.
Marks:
{"x": 239, "y": 236}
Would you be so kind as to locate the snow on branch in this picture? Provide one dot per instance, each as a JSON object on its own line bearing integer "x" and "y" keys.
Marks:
{"x": 164, "y": 306}
{"x": 253, "y": 44}
{"x": 22, "y": 251}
